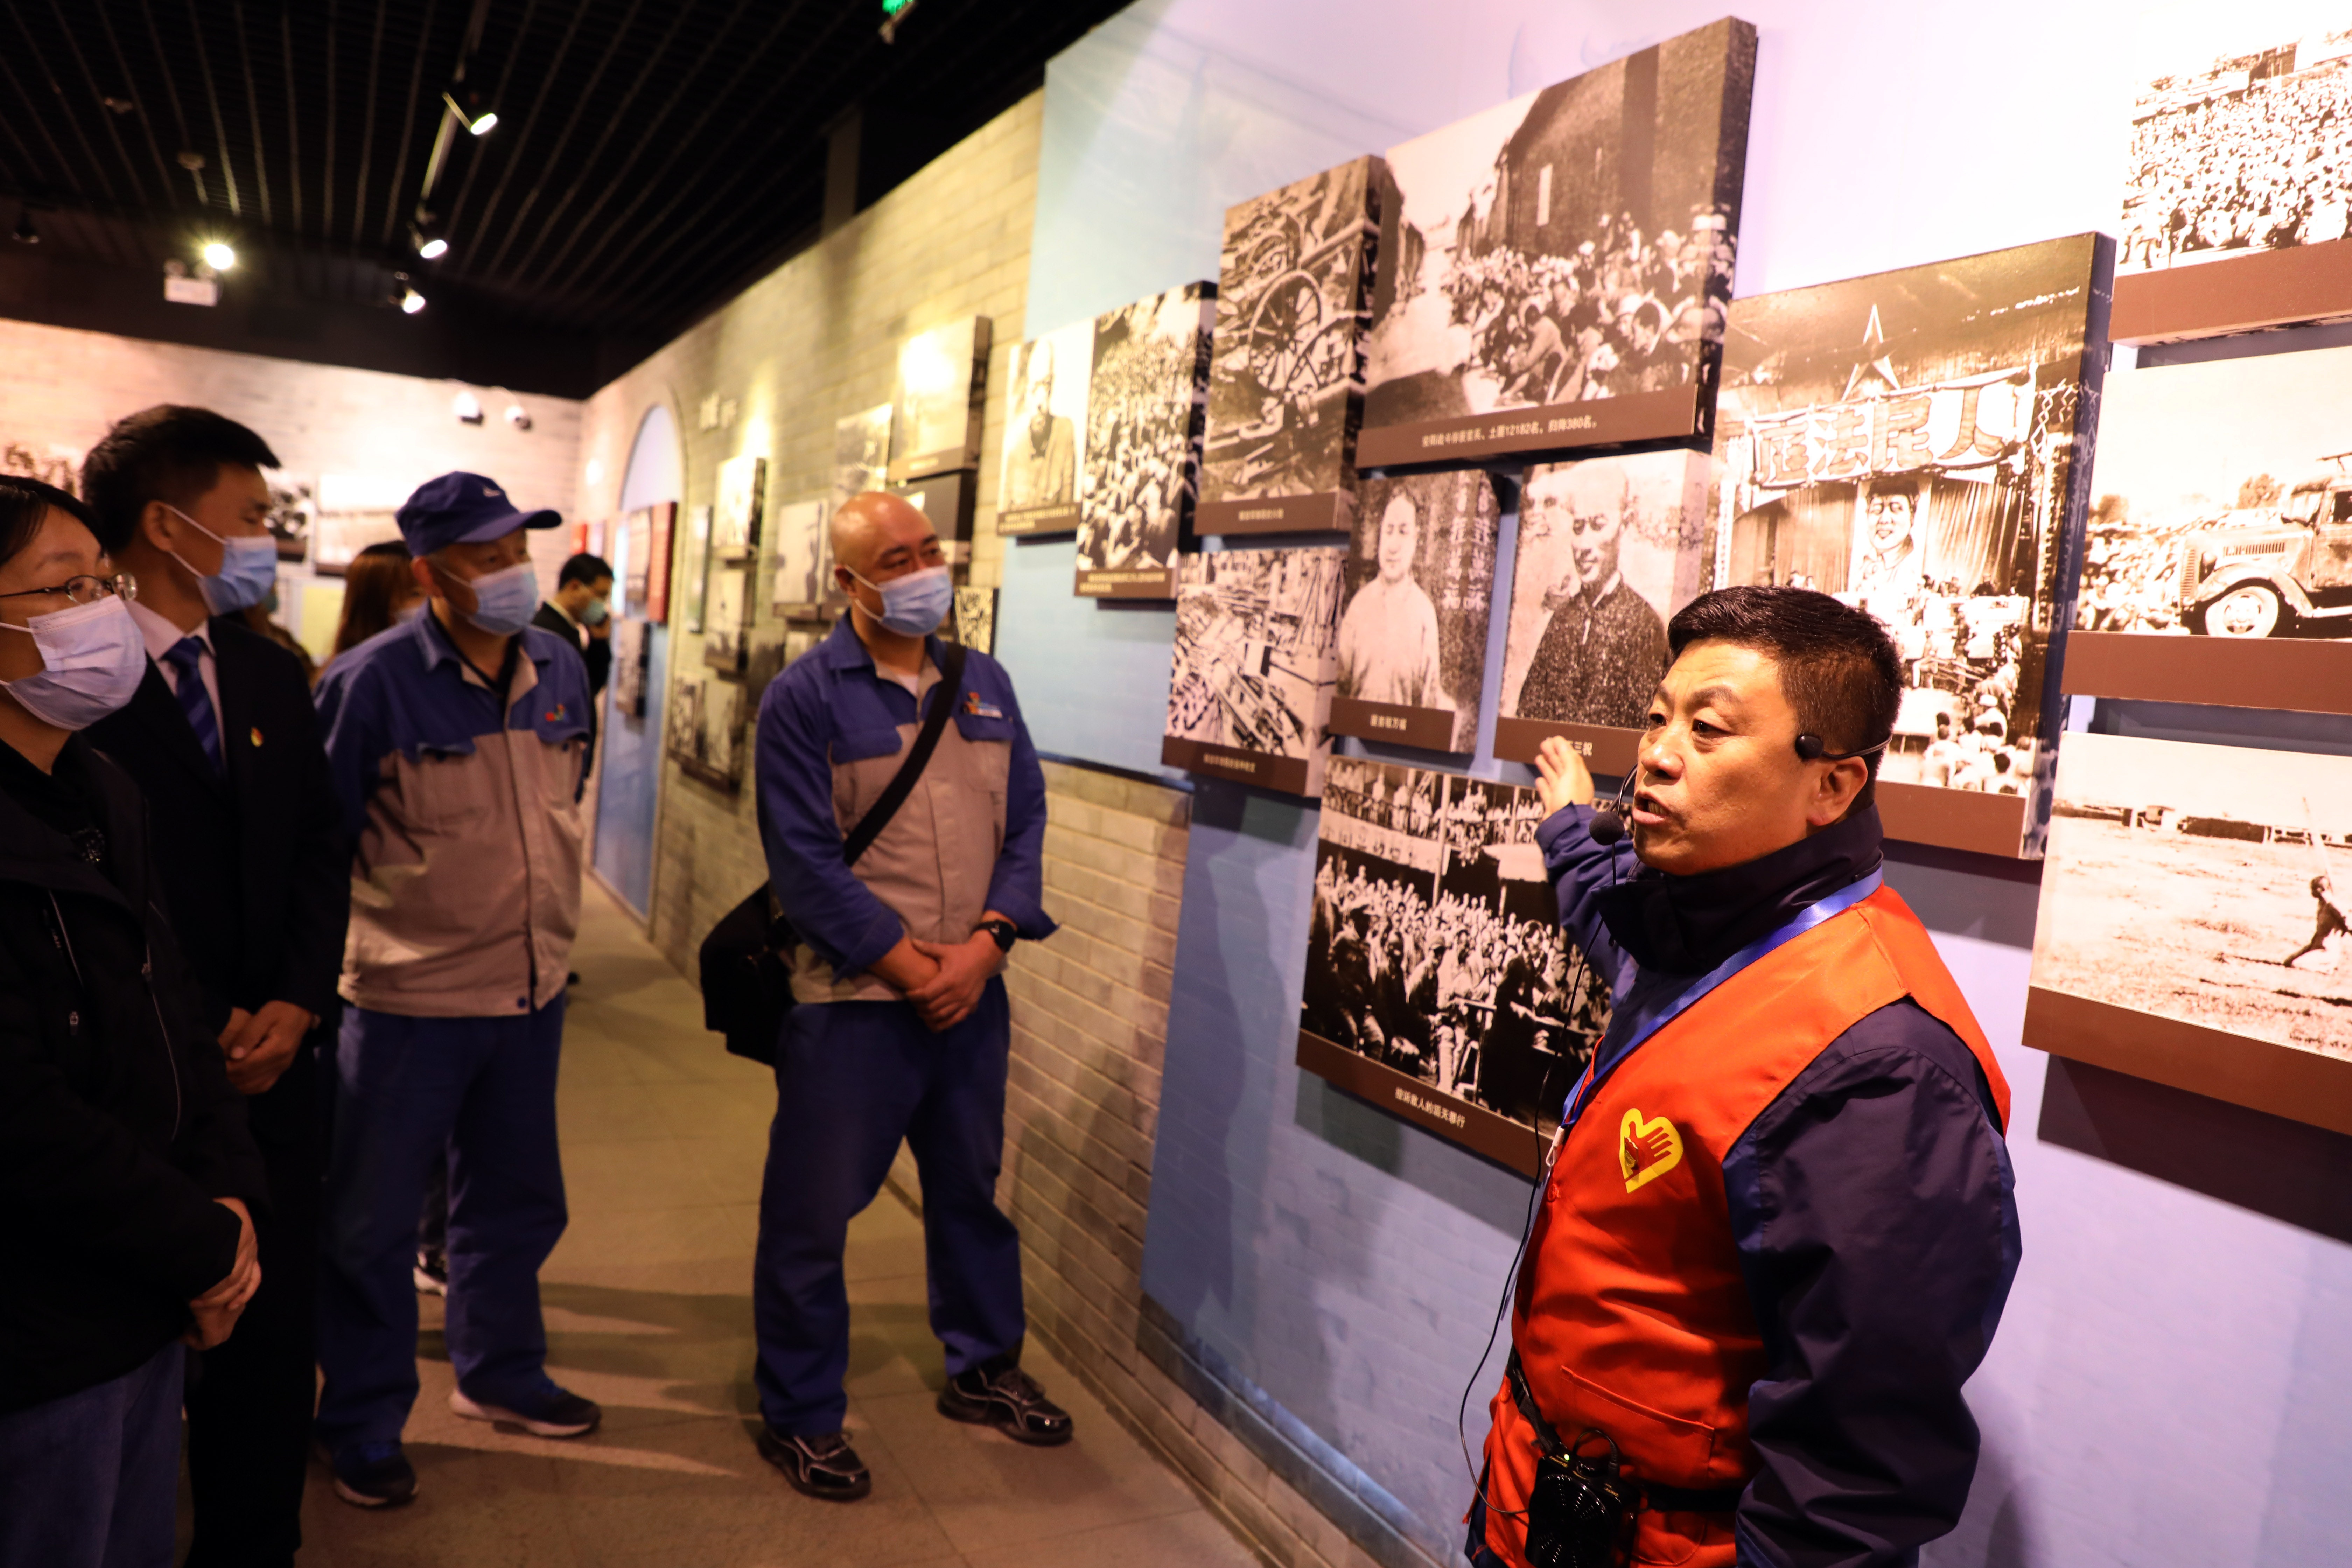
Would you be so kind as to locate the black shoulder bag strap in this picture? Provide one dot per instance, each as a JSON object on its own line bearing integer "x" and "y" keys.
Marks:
{"x": 918, "y": 757}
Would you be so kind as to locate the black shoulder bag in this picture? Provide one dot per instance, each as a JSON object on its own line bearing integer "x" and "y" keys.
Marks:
{"x": 746, "y": 961}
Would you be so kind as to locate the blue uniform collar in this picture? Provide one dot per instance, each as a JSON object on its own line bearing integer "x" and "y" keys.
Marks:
{"x": 436, "y": 649}
{"x": 843, "y": 649}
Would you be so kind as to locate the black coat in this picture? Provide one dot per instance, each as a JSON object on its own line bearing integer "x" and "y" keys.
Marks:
{"x": 118, "y": 1127}
{"x": 254, "y": 868}
{"x": 597, "y": 652}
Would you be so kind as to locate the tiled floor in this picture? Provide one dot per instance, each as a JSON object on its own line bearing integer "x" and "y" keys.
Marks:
{"x": 649, "y": 1312}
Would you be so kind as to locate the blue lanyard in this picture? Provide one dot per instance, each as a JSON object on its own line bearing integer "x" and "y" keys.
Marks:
{"x": 1648, "y": 1021}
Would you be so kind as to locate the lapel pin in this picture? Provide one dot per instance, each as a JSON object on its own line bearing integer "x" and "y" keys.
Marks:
{"x": 254, "y": 734}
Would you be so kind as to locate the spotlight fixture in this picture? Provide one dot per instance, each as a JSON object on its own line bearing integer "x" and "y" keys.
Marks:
{"x": 24, "y": 233}
{"x": 411, "y": 301}
{"x": 427, "y": 237}
{"x": 219, "y": 255}
{"x": 480, "y": 124}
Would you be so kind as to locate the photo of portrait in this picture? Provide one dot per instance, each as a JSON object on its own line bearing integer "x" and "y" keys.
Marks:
{"x": 803, "y": 560}
{"x": 1413, "y": 624}
{"x": 1287, "y": 374}
{"x": 735, "y": 521}
{"x": 2217, "y": 562}
{"x": 1907, "y": 442}
{"x": 942, "y": 394}
{"x": 1438, "y": 985}
{"x": 1044, "y": 431}
{"x": 1141, "y": 471}
{"x": 1609, "y": 549}
{"x": 1249, "y": 693}
{"x": 2193, "y": 925}
{"x": 1554, "y": 271}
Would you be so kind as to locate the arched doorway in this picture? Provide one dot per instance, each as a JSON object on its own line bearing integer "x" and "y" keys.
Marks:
{"x": 630, "y": 770}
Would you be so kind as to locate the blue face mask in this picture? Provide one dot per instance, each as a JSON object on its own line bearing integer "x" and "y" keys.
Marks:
{"x": 504, "y": 600}
{"x": 593, "y": 611}
{"x": 249, "y": 570}
{"x": 913, "y": 606}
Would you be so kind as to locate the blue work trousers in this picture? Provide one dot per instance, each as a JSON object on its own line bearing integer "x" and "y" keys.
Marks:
{"x": 405, "y": 1090}
{"x": 853, "y": 1079}
{"x": 92, "y": 1480}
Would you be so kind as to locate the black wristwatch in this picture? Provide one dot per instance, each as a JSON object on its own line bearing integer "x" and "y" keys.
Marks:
{"x": 1005, "y": 932}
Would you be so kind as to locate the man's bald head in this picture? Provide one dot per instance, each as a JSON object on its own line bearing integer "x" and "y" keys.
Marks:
{"x": 877, "y": 536}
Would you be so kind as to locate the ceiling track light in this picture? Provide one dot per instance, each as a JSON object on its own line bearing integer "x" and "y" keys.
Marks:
{"x": 480, "y": 124}
{"x": 24, "y": 233}
{"x": 426, "y": 239}
{"x": 219, "y": 255}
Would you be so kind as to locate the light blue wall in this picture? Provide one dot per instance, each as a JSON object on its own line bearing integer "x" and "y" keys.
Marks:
{"x": 627, "y": 799}
{"x": 2173, "y": 1382}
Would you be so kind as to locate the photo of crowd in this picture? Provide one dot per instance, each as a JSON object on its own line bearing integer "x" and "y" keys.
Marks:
{"x": 1531, "y": 266}
{"x": 1905, "y": 442}
{"x": 1144, "y": 412}
{"x": 1436, "y": 949}
{"x": 1252, "y": 663}
{"x": 1286, "y": 381}
{"x": 1419, "y": 588}
{"x": 2253, "y": 152}
{"x": 1045, "y": 429}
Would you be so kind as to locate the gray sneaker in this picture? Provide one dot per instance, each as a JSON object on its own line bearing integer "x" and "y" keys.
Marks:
{"x": 557, "y": 1413}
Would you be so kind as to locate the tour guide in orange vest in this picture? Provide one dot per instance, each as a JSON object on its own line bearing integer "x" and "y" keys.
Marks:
{"x": 1779, "y": 1230}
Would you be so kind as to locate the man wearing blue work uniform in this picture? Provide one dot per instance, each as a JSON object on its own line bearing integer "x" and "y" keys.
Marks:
{"x": 901, "y": 1029}
{"x": 457, "y": 742}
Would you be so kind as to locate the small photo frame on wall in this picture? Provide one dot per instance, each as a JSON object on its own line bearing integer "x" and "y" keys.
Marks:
{"x": 630, "y": 646}
{"x": 662, "y": 519}
{"x": 1046, "y": 434}
{"x": 803, "y": 574}
{"x": 735, "y": 523}
{"x": 1249, "y": 695}
{"x": 694, "y": 566}
{"x": 727, "y": 620}
{"x": 975, "y": 618}
{"x": 1144, "y": 411}
{"x": 637, "y": 560}
{"x": 941, "y": 395}
{"x": 704, "y": 730}
{"x": 1413, "y": 627}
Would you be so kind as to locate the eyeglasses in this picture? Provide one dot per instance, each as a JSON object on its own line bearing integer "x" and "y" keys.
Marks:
{"x": 86, "y": 590}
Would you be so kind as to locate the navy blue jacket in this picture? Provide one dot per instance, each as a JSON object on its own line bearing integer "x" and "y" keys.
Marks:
{"x": 1872, "y": 1204}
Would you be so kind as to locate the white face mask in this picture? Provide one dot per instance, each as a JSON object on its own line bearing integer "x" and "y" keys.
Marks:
{"x": 96, "y": 659}
{"x": 504, "y": 600}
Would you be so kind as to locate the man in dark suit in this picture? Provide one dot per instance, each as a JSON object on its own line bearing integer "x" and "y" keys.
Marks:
{"x": 222, "y": 738}
{"x": 581, "y": 612}
{"x": 1604, "y": 647}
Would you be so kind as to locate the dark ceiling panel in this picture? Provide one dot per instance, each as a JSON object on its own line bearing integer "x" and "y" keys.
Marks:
{"x": 651, "y": 156}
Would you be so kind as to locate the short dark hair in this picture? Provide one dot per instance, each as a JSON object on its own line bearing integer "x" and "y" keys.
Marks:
{"x": 1838, "y": 667}
{"x": 169, "y": 453}
{"x": 583, "y": 568}
{"x": 26, "y": 504}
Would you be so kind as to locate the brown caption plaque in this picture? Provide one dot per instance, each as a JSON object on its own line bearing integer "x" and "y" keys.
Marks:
{"x": 1500, "y": 1140}
{"x": 1523, "y": 432}
{"x": 2260, "y": 1074}
{"x": 1145, "y": 583}
{"x": 2309, "y": 675}
{"x": 1605, "y": 750}
{"x": 2246, "y": 294}
{"x": 1952, "y": 819}
{"x": 1429, "y": 729}
{"x": 1329, "y": 512}
{"x": 1037, "y": 521}
{"x": 1287, "y": 775}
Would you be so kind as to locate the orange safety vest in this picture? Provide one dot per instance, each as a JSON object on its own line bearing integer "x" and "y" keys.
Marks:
{"x": 1633, "y": 1315}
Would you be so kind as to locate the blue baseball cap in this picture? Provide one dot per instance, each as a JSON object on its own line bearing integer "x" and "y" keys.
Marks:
{"x": 463, "y": 509}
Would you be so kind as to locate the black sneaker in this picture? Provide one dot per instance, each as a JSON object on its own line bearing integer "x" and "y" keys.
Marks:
{"x": 374, "y": 1475}
{"x": 999, "y": 1394}
{"x": 432, "y": 1272}
{"x": 823, "y": 1466}
{"x": 554, "y": 1413}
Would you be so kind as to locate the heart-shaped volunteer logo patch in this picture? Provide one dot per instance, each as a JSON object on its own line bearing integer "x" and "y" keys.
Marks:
{"x": 1647, "y": 1149}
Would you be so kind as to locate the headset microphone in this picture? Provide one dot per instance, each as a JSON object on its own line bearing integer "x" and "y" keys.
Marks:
{"x": 1813, "y": 748}
{"x": 1607, "y": 828}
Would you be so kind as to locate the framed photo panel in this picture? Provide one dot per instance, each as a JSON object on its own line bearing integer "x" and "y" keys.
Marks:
{"x": 1911, "y": 442}
{"x": 1419, "y": 588}
{"x": 941, "y": 396}
{"x": 2216, "y": 566}
{"x": 1144, "y": 409}
{"x": 2193, "y": 928}
{"x": 735, "y": 522}
{"x": 1249, "y": 692}
{"x": 1553, "y": 274}
{"x": 975, "y": 618}
{"x": 1046, "y": 434}
{"x": 661, "y": 535}
{"x": 1287, "y": 370}
{"x": 693, "y": 567}
{"x": 1438, "y": 986}
{"x": 861, "y": 453}
{"x": 727, "y": 632}
{"x": 703, "y": 729}
{"x": 947, "y": 500}
{"x": 1610, "y": 548}
{"x": 803, "y": 577}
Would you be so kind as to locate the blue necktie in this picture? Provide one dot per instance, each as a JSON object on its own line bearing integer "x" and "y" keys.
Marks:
{"x": 186, "y": 655}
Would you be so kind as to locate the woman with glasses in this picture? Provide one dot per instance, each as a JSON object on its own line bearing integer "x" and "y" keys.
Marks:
{"x": 125, "y": 1165}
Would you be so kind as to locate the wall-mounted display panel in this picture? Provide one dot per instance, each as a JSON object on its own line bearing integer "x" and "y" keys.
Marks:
{"x": 735, "y": 522}
{"x": 1438, "y": 986}
{"x": 948, "y": 500}
{"x": 628, "y": 680}
{"x": 1413, "y": 627}
{"x": 2192, "y": 926}
{"x": 726, "y": 633}
{"x": 704, "y": 730}
{"x": 941, "y": 396}
{"x": 2216, "y": 566}
{"x": 1909, "y": 441}
{"x": 1141, "y": 470}
{"x": 1044, "y": 434}
{"x": 694, "y": 566}
{"x": 802, "y": 578}
{"x": 2237, "y": 210}
{"x": 1554, "y": 272}
{"x": 1286, "y": 368}
{"x": 975, "y": 618}
{"x": 861, "y": 453}
{"x": 1249, "y": 694}
{"x": 1610, "y": 548}
{"x": 661, "y": 519}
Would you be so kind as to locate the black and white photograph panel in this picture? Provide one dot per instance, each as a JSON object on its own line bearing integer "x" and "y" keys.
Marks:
{"x": 2204, "y": 886}
{"x": 1437, "y": 981}
{"x": 1907, "y": 442}
{"x": 975, "y": 618}
{"x": 693, "y": 567}
{"x": 942, "y": 391}
{"x": 2248, "y": 149}
{"x": 735, "y": 521}
{"x": 725, "y": 634}
{"x": 2218, "y": 562}
{"x": 1249, "y": 692}
{"x": 803, "y": 559}
{"x": 1413, "y": 626}
{"x": 1287, "y": 376}
{"x": 861, "y": 453}
{"x": 1609, "y": 549}
{"x": 704, "y": 729}
{"x": 1141, "y": 469}
{"x": 1045, "y": 432}
{"x": 1557, "y": 268}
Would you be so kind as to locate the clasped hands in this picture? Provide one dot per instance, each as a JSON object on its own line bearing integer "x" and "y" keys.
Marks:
{"x": 261, "y": 1044}
{"x": 216, "y": 1310}
{"x": 943, "y": 979}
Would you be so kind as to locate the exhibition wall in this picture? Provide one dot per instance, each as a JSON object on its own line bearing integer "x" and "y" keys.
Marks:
{"x": 2174, "y": 1314}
